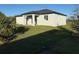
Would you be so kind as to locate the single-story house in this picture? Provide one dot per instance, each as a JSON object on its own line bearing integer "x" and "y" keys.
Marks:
{"x": 42, "y": 17}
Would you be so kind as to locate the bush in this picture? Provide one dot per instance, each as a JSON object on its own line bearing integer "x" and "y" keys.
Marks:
{"x": 20, "y": 29}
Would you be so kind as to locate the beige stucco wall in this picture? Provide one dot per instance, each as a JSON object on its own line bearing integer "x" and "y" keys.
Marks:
{"x": 53, "y": 20}
{"x": 21, "y": 20}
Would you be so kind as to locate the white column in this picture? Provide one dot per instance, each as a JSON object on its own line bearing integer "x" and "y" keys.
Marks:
{"x": 33, "y": 18}
{"x": 26, "y": 19}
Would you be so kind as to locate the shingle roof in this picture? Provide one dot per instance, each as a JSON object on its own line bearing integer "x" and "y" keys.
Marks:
{"x": 44, "y": 11}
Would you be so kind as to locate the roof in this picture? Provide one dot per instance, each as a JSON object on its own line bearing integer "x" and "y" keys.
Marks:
{"x": 44, "y": 11}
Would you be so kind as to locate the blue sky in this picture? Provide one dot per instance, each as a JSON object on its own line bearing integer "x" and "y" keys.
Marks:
{"x": 15, "y": 9}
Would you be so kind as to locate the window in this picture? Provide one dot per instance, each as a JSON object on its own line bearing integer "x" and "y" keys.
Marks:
{"x": 46, "y": 17}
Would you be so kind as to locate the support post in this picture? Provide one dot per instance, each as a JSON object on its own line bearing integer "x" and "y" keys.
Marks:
{"x": 26, "y": 20}
{"x": 33, "y": 18}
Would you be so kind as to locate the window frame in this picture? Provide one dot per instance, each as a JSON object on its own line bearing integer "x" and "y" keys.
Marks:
{"x": 46, "y": 17}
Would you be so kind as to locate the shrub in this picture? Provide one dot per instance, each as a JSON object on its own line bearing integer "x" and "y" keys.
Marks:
{"x": 20, "y": 29}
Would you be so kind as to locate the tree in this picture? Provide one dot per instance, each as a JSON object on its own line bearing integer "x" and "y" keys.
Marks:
{"x": 75, "y": 17}
{"x": 7, "y": 27}
{"x": 2, "y": 14}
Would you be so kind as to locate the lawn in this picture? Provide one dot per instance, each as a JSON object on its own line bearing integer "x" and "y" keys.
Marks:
{"x": 43, "y": 39}
{"x": 33, "y": 30}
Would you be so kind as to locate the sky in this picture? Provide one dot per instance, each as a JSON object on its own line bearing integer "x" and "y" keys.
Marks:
{"x": 16, "y": 9}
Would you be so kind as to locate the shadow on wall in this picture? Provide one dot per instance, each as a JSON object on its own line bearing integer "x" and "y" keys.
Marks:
{"x": 54, "y": 41}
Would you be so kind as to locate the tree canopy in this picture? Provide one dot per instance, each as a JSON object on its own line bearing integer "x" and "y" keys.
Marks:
{"x": 2, "y": 14}
{"x": 6, "y": 26}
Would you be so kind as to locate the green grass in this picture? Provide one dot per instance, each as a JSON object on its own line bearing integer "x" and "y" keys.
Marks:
{"x": 34, "y": 30}
{"x": 43, "y": 39}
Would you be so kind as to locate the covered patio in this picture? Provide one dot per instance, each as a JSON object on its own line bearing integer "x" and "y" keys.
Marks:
{"x": 31, "y": 19}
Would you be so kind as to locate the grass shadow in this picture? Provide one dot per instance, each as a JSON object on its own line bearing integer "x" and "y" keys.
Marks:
{"x": 53, "y": 41}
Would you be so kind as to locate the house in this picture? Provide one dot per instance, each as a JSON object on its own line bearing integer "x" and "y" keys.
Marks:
{"x": 42, "y": 17}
